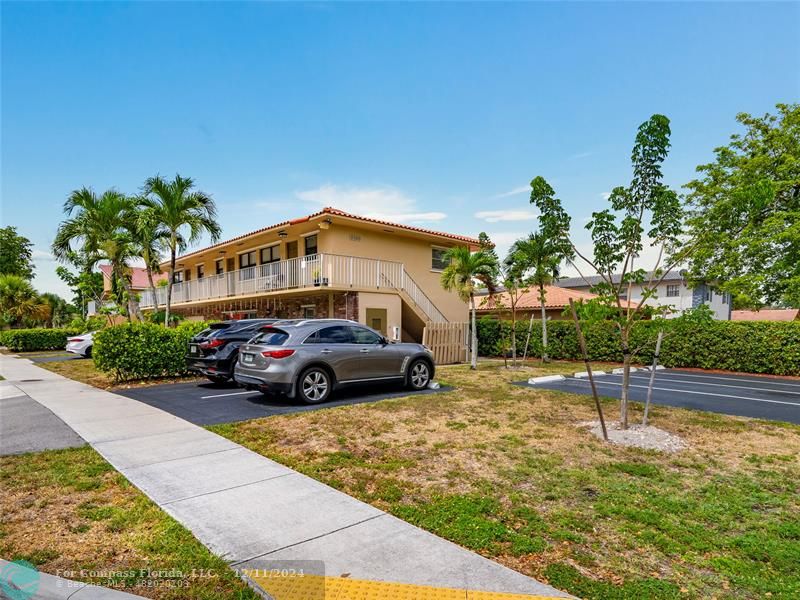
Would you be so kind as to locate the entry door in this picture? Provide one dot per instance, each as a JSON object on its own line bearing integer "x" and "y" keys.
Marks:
{"x": 376, "y": 318}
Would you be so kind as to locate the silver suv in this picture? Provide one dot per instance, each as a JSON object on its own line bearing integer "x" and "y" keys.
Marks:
{"x": 310, "y": 358}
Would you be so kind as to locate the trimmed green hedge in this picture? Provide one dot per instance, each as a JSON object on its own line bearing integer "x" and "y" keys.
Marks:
{"x": 746, "y": 346}
{"x": 143, "y": 350}
{"x": 30, "y": 340}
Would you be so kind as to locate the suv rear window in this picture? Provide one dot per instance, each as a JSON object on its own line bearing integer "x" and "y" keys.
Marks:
{"x": 270, "y": 337}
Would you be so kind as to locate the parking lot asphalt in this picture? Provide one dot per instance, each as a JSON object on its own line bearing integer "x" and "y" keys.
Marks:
{"x": 53, "y": 358}
{"x": 27, "y": 426}
{"x": 741, "y": 395}
{"x": 210, "y": 404}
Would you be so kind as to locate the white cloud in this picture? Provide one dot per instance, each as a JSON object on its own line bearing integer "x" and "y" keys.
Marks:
{"x": 605, "y": 195}
{"x": 495, "y": 216}
{"x": 385, "y": 203}
{"x": 517, "y": 190}
{"x": 580, "y": 155}
{"x": 42, "y": 255}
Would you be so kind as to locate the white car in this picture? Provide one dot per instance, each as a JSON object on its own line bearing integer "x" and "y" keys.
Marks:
{"x": 81, "y": 344}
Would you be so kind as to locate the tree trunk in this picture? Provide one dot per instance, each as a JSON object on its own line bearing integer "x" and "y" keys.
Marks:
{"x": 474, "y": 335}
{"x": 545, "y": 357}
{"x": 152, "y": 288}
{"x": 172, "y": 244}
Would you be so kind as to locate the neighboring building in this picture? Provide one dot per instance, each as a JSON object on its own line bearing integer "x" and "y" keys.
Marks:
{"x": 767, "y": 314}
{"x": 139, "y": 282}
{"x": 556, "y": 301}
{"x": 327, "y": 264}
{"x": 673, "y": 292}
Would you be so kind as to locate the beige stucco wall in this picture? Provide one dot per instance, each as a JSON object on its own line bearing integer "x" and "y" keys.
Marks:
{"x": 415, "y": 253}
{"x": 391, "y": 302}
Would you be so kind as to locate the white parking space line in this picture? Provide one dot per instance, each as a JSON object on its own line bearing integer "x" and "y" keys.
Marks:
{"x": 230, "y": 394}
{"x": 727, "y": 385}
{"x": 663, "y": 389}
{"x": 725, "y": 378}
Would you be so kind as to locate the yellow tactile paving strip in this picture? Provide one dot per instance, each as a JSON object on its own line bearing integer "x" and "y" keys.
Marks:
{"x": 318, "y": 587}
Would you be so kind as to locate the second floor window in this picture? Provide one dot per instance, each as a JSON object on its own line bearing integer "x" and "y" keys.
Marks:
{"x": 177, "y": 277}
{"x": 248, "y": 259}
{"x": 310, "y": 245}
{"x": 271, "y": 254}
{"x": 220, "y": 267}
{"x": 439, "y": 260}
{"x": 673, "y": 291}
{"x": 201, "y": 271}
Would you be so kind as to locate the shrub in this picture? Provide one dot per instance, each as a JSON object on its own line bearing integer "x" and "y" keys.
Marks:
{"x": 29, "y": 340}
{"x": 143, "y": 350}
{"x": 746, "y": 346}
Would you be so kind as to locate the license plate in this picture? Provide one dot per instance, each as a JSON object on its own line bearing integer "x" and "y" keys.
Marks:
{"x": 194, "y": 348}
{"x": 248, "y": 358}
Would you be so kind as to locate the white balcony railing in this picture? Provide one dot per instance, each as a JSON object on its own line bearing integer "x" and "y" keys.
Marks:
{"x": 318, "y": 270}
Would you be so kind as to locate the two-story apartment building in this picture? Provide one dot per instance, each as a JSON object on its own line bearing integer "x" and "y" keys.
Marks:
{"x": 327, "y": 264}
{"x": 673, "y": 292}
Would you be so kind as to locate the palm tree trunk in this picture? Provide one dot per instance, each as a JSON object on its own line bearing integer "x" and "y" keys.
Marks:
{"x": 172, "y": 243}
{"x": 545, "y": 357}
{"x": 152, "y": 288}
{"x": 474, "y": 340}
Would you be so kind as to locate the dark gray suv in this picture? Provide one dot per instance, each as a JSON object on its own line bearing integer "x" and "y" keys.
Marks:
{"x": 308, "y": 359}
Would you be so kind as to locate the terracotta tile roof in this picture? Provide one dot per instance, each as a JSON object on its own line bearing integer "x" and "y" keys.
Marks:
{"x": 555, "y": 297}
{"x": 138, "y": 276}
{"x": 766, "y": 314}
{"x": 339, "y": 213}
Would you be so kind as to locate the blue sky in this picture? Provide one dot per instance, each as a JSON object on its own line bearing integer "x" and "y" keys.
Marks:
{"x": 433, "y": 114}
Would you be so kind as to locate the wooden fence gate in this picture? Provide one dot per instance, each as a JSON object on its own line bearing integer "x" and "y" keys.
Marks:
{"x": 449, "y": 342}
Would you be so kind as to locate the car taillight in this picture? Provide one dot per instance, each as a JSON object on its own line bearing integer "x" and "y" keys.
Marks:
{"x": 211, "y": 344}
{"x": 277, "y": 353}
{"x": 74, "y": 340}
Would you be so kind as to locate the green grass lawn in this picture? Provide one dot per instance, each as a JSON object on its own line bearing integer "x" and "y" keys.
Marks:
{"x": 67, "y": 510}
{"x": 506, "y": 472}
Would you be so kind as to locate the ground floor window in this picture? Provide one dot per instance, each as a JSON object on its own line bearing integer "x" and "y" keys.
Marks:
{"x": 309, "y": 312}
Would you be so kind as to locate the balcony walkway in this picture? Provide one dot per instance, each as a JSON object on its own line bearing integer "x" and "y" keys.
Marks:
{"x": 318, "y": 271}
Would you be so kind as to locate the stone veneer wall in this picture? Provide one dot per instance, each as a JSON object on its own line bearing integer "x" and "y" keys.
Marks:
{"x": 345, "y": 306}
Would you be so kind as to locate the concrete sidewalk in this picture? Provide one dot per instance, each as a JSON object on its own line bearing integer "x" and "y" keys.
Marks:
{"x": 253, "y": 512}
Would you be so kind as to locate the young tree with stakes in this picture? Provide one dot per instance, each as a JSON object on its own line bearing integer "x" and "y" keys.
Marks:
{"x": 645, "y": 211}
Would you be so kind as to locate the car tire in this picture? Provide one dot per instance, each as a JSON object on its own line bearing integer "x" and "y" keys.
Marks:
{"x": 88, "y": 353}
{"x": 419, "y": 374}
{"x": 217, "y": 379}
{"x": 314, "y": 385}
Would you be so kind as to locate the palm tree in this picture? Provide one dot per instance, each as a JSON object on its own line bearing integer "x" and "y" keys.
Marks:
{"x": 149, "y": 237}
{"x": 19, "y": 301}
{"x": 538, "y": 260}
{"x": 177, "y": 207}
{"x": 98, "y": 228}
{"x": 465, "y": 268}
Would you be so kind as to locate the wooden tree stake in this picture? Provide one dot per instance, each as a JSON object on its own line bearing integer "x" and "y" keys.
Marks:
{"x": 582, "y": 343}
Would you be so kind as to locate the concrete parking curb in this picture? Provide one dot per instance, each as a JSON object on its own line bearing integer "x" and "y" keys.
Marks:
{"x": 251, "y": 511}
